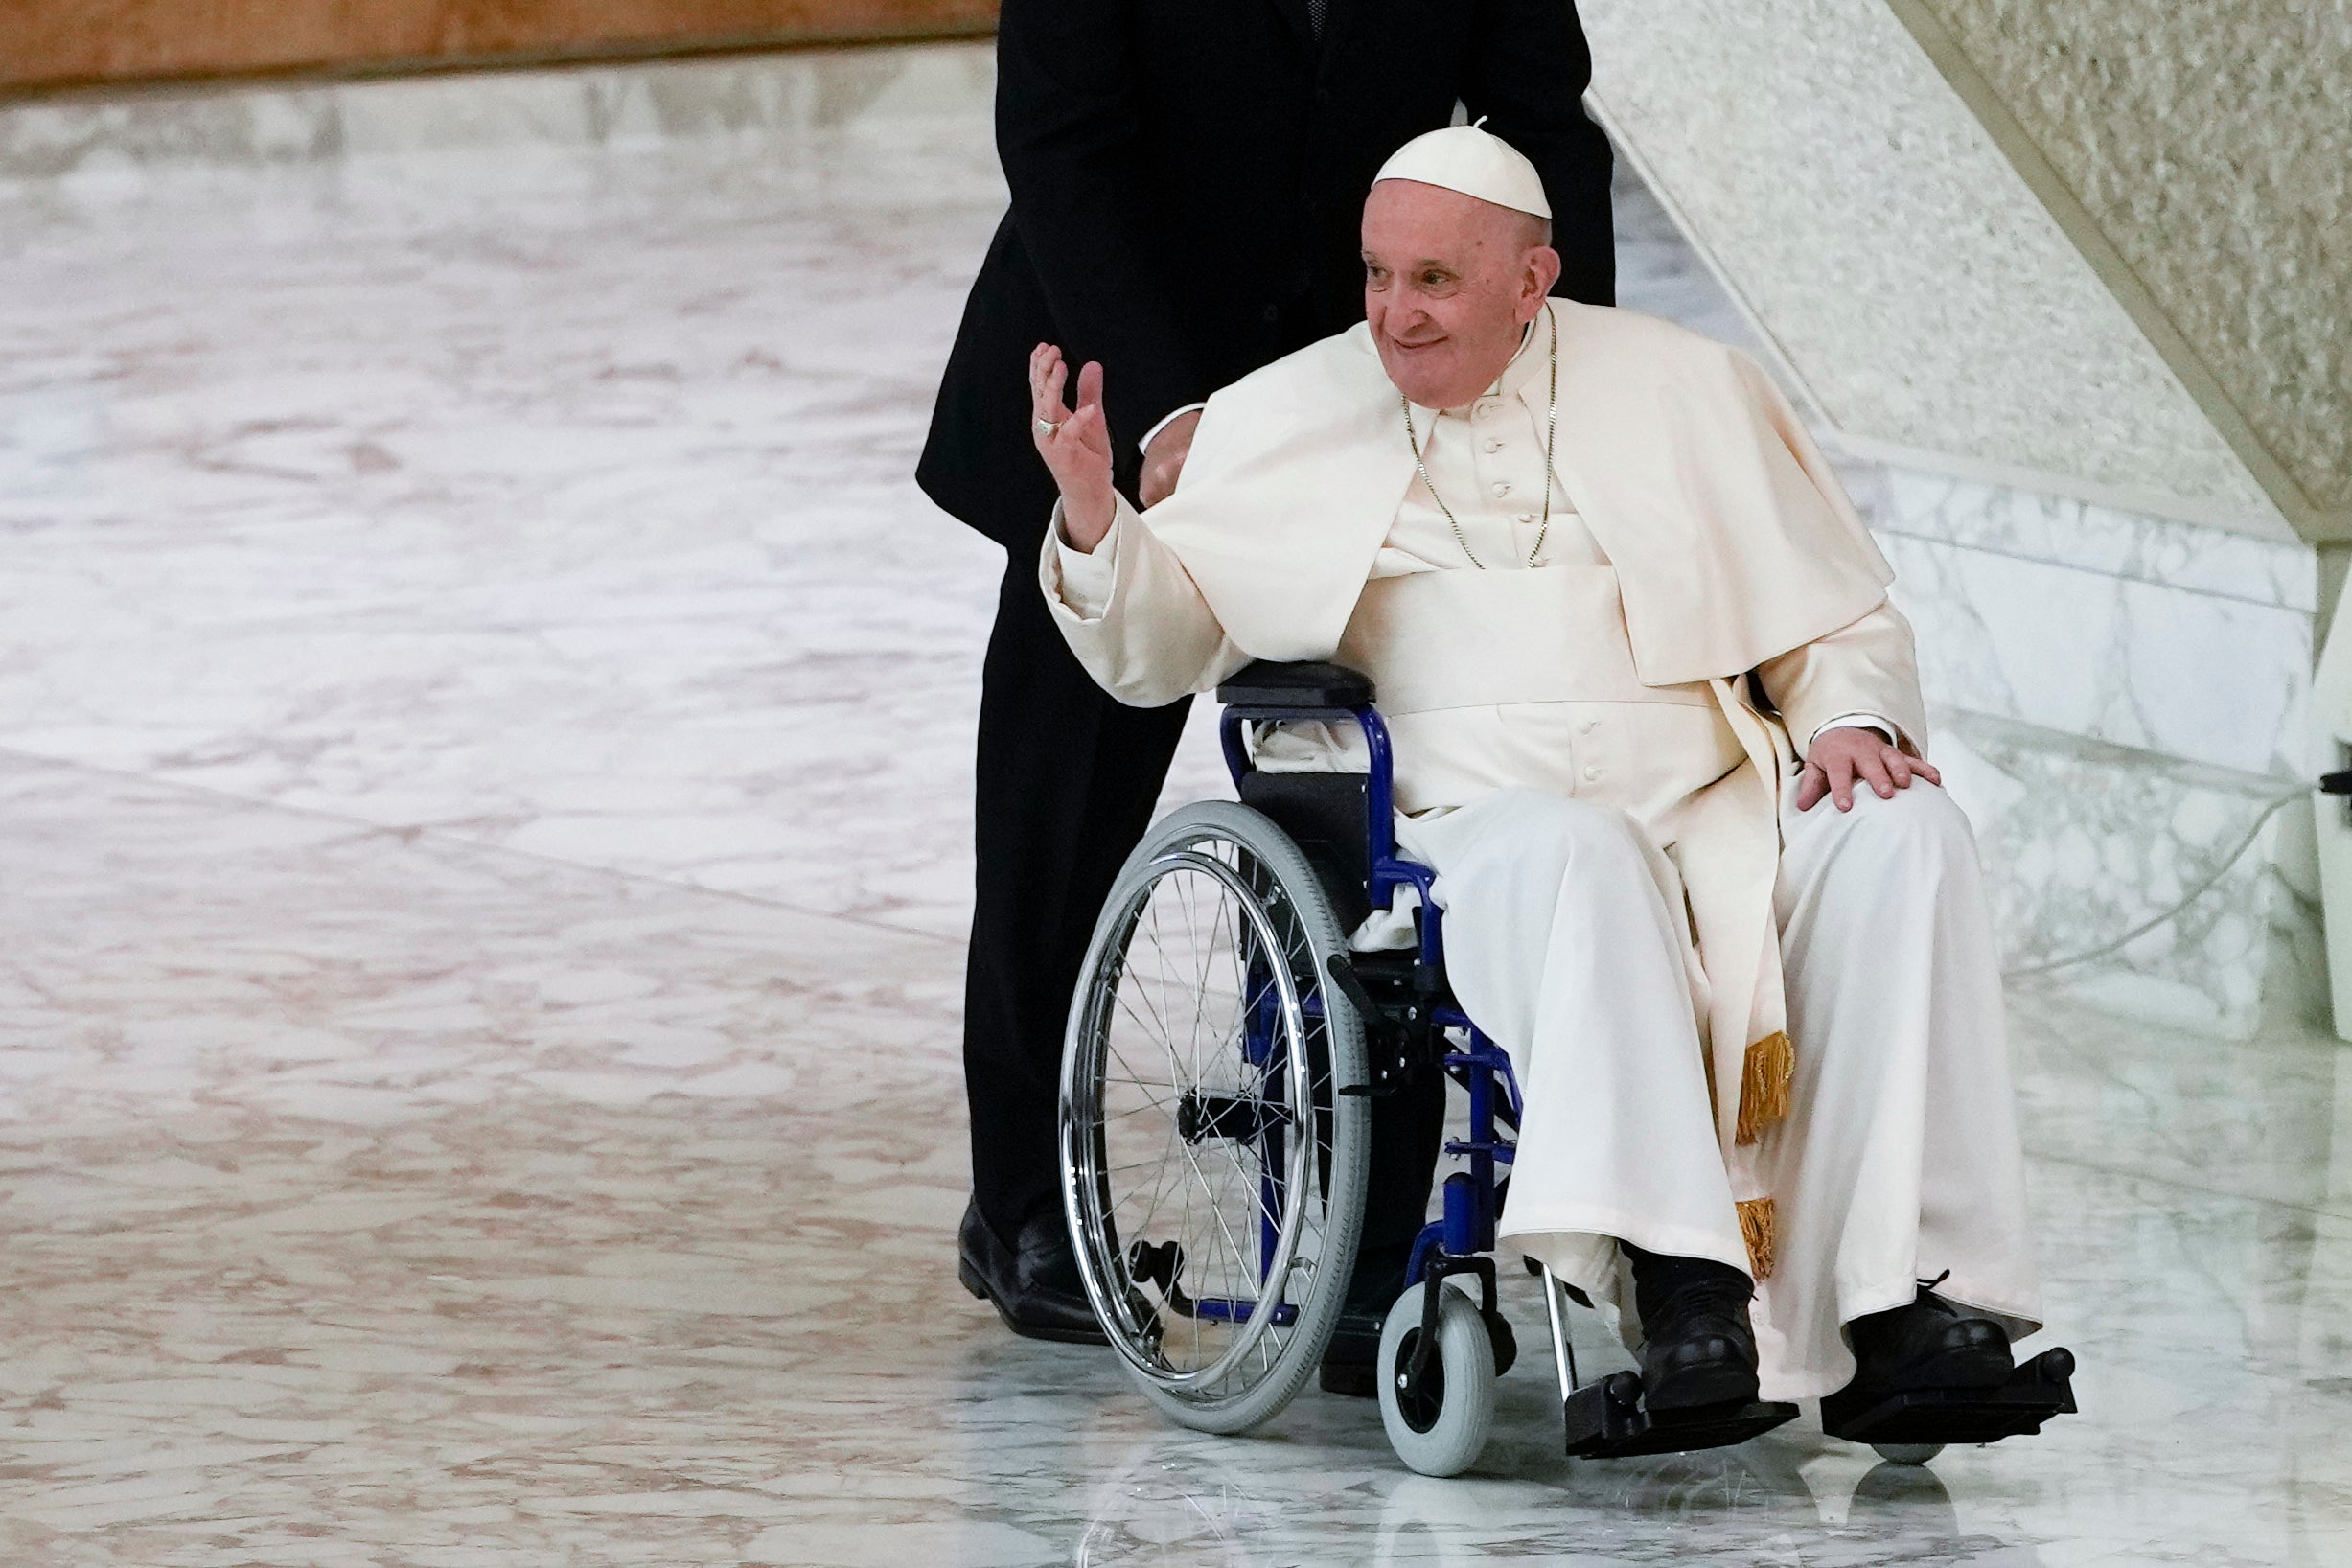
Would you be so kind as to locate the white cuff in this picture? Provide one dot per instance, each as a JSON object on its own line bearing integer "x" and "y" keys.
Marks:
{"x": 1087, "y": 578}
{"x": 1857, "y": 720}
{"x": 1174, "y": 414}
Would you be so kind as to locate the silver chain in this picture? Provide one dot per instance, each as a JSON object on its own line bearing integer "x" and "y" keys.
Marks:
{"x": 1550, "y": 433}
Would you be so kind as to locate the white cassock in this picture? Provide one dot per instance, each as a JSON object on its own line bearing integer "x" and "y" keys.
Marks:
{"x": 1613, "y": 850}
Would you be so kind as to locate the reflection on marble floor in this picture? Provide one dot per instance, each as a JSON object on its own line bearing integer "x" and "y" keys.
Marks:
{"x": 482, "y": 768}
{"x": 375, "y": 1197}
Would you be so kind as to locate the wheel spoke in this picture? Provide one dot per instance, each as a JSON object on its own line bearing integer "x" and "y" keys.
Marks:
{"x": 1175, "y": 1067}
{"x": 1215, "y": 1211}
{"x": 1160, "y": 1190}
{"x": 1125, "y": 969}
{"x": 1117, "y": 1116}
{"x": 1200, "y": 985}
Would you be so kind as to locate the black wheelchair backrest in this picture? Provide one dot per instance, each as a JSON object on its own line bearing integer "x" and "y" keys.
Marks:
{"x": 1323, "y": 815}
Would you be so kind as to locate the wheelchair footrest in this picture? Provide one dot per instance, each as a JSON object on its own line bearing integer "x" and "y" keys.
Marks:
{"x": 1608, "y": 1421}
{"x": 2037, "y": 1391}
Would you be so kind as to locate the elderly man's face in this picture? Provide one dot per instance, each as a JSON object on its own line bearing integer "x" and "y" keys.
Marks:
{"x": 1450, "y": 283}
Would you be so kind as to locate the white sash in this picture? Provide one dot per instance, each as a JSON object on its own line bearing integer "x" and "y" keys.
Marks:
{"x": 1468, "y": 638}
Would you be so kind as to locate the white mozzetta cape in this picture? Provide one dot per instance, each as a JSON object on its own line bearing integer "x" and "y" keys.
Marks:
{"x": 1732, "y": 539}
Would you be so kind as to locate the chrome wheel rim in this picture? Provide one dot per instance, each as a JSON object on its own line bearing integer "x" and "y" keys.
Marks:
{"x": 1191, "y": 955}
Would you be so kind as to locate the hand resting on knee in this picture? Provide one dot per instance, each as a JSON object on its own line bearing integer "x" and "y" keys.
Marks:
{"x": 1838, "y": 758}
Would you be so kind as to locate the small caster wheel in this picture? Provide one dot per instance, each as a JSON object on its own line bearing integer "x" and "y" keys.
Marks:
{"x": 1439, "y": 1423}
{"x": 1906, "y": 1453}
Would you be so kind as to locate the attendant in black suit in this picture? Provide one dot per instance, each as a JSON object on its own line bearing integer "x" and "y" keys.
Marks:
{"x": 1187, "y": 180}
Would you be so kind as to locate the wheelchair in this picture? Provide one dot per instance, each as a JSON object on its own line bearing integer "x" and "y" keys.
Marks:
{"x": 1223, "y": 1052}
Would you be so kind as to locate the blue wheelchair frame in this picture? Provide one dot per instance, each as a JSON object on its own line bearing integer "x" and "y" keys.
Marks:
{"x": 1459, "y": 1242}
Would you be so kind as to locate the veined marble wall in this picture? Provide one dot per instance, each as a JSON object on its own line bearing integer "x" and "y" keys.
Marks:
{"x": 2136, "y": 631}
{"x": 2158, "y": 888}
{"x": 2129, "y": 700}
{"x": 2123, "y": 704}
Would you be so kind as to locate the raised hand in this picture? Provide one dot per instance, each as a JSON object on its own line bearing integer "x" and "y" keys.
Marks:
{"x": 1075, "y": 444}
{"x": 1840, "y": 757}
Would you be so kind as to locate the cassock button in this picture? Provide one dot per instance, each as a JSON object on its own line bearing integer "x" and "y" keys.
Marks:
{"x": 1485, "y": 410}
{"x": 1502, "y": 487}
{"x": 1494, "y": 445}
{"x": 1585, "y": 728}
{"x": 1591, "y": 773}
{"x": 1527, "y": 518}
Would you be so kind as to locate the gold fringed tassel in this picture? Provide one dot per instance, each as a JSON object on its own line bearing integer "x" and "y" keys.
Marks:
{"x": 1757, "y": 1229}
{"x": 1771, "y": 1067}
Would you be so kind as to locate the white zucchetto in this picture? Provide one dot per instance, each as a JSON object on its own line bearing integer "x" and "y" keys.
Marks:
{"x": 1476, "y": 162}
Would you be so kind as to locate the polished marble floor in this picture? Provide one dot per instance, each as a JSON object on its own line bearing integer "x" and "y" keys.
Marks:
{"x": 481, "y": 765}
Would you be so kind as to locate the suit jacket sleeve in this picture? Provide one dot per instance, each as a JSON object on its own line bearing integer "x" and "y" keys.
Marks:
{"x": 1867, "y": 666}
{"x": 1071, "y": 139}
{"x": 1527, "y": 71}
{"x": 1152, "y": 638}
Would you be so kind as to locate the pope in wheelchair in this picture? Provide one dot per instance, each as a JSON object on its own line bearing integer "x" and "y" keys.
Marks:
{"x": 1583, "y": 759}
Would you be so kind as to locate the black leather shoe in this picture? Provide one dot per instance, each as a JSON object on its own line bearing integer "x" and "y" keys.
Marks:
{"x": 1378, "y": 1280}
{"x": 1698, "y": 1348}
{"x": 1931, "y": 1344}
{"x": 1033, "y": 1283}
{"x": 1349, "y": 1359}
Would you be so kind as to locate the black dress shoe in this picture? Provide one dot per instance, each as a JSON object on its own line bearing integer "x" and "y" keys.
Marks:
{"x": 1033, "y": 1283}
{"x": 1931, "y": 1344}
{"x": 1348, "y": 1359}
{"x": 1698, "y": 1348}
{"x": 1352, "y": 1358}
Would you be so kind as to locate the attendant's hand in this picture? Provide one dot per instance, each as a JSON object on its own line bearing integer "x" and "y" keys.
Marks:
{"x": 1078, "y": 449}
{"x": 1839, "y": 756}
{"x": 1164, "y": 457}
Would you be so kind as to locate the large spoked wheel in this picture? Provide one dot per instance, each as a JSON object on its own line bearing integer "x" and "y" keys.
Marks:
{"x": 1213, "y": 1173}
{"x": 1438, "y": 1422}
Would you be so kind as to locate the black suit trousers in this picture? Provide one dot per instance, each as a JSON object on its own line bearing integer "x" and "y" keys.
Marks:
{"x": 1066, "y": 779}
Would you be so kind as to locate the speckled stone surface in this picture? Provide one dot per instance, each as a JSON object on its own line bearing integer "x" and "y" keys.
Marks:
{"x": 1921, "y": 292}
{"x": 2211, "y": 142}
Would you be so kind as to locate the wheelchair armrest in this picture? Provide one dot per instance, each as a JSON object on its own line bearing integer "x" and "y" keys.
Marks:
{"x": 1268, "y": 684}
